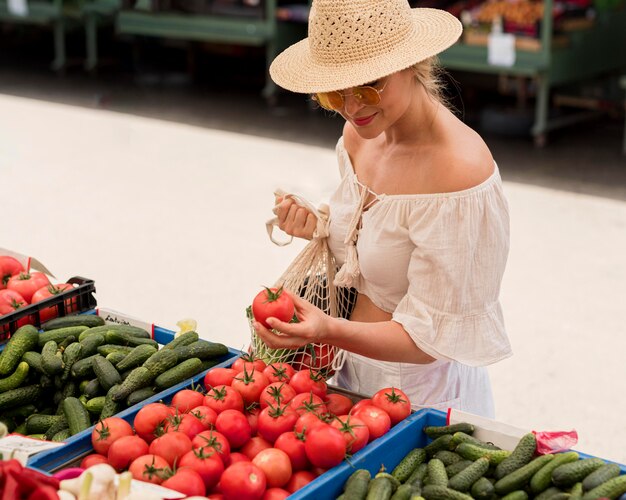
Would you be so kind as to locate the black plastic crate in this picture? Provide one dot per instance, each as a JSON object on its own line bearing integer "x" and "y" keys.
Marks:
{"x": 74, "y": 301}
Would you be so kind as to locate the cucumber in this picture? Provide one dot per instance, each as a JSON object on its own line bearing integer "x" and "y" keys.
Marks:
{"x": 106, "y": 373}
{"x": 83, "y": 367}
{"x": 542, "y": 479}
{"x": 207, "y": 364}
{"x": 46, "y": 382}
{"x": 436, "y": 492}
{"x": 39, "y": 424}
{"x": 356, "y": 485}
{"x": 20, "y": 396}
{"x": 20, "y": 412}
{"x": 179, "y": 373}
{"x": 521, "y": 455}
{"x": 123, "y": 338}
{"x": 549, "y": 493}
{"x": 106, "y": 349}
{"x": 517, "y": 479}
{"x": 88, "y": 320}
{"x": 437, "y": 473}
{"x": 408, "y": 464}
{"x": 184, "y": 339}
{"x": 473, "y": 452}
{"x": 434, "y": 432}
{"x": 567, "y": 475}
{"x": 20, "y": 429}
{"x": 576, "y": 493}
{"x": 16, "y": 379}
{"x": 453, "y": 469}
{"x": 516, "y": 495}
{"x": 448, "y": 457}
{"x": 138, "y": 356}
{"x": 56, "y": 427}
{"x": 417, "y": 476}
{"x": 161, "y": 361}
{"x": 139, "y": 378}
{"x": 102, "y": 330}
{"x": 404, "y": 492}
{"x": 61, "y": 334}
{"x": 140, "y": 395}
{"x": 380, "y": 488}
{"x": 440, "y": 443}
{"x": 202, "y": 349}
{"x": 110, "y": 407}
{"x": 91, "y": 343}
{"x": 93, "y": 388}
{"x": 95, "y": 405}
{"x": 601, "y": 475}
{"x": 70, "y": 339}
{"x": 76, "y": 415}
{"x": 33, "y": 358}
{"x": 483, "y": 489}
{"x": 50, "y": 361}
{"x": 464, "y": 480}
{"x": 115, "y": 357}
{"x": 61, "y": 435}
{"x": 22, "y": 341}
{"x": 613, "y": 488}
{"x": 462, "y": 437}
{"x": 71, "y": 354}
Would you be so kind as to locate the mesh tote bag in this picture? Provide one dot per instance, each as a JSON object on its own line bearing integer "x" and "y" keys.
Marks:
{"x": 310, "y": 275}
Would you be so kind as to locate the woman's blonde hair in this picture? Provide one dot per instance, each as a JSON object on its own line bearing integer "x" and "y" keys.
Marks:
{"x": 429, "y": 73}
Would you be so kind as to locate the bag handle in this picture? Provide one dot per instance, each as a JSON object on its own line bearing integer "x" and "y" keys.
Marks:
{"x": 321, "y": 214}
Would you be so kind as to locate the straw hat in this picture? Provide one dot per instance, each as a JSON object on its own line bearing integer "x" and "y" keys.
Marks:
{"x": 353, "y": 42}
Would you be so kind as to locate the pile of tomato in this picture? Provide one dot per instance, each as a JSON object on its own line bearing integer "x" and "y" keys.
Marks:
{"x": 20, "y": 288}
{"x": 255, "y": 432}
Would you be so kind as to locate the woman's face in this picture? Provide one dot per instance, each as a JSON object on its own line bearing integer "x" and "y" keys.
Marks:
{"x": 396, "y": 95}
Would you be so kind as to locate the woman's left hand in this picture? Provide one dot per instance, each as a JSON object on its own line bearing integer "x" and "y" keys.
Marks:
{"x": 312, "y": 327}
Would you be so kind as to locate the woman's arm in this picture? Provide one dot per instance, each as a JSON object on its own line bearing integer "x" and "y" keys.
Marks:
{"x": 385, "y": 340}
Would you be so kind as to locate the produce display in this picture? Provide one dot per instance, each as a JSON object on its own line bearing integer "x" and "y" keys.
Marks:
{"x": 78, "y": 370}
{"x": 252, "y": 430}
{"x": 457, "y": 466}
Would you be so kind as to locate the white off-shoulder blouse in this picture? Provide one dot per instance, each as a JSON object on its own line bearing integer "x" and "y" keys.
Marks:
{"x": 435, "y": 262}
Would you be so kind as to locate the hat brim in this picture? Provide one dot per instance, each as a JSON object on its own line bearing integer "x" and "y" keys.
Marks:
{"x": 433, "y": 32}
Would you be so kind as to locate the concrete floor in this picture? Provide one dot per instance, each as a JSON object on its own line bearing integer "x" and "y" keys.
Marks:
{"x": 159, "y": 190}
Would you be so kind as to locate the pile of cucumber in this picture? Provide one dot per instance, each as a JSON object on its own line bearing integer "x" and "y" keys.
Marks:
{"x": 457, "y": 466}
{"x": 58, "y": 382}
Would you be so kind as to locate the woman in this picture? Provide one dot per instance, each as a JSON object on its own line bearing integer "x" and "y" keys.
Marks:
{"x": 419, "y": 221}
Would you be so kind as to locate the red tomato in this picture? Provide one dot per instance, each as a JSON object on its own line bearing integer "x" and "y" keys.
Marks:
{"x": 317, "y": 357}
{"x": 249, "y": 362}
{"x": 235, "y": 457}
{"x": 93, "y": 459}
{"x": 26, "y": 284}
{"x": 275, "y": 494}
{"x": 215, "y": 440}
{"x": 8, "y": 267}
{"x": 149, "y": 468}
{"x": 394, "y": 402}
{"x": 187, "y": 399}
{"x": 47, "y": 313}
{"x": 279, "y": 372}
{"x": 223, "y": 397}
{"x": 359, "y": 404}
{"x": 338, "y": 404}
{"x": 243, "y": 481}
{"x": 10, "y": 301}
{"x": 276, "y": 466}
{"x": 354, "y": 430}
{"x": 376, "y": 419}
{"x": 273, "y": 421}
{"x": 250, "y": 384}
{"x": 171, "y": 446}
{"x": 150, "y": 421}
{"x": 219, "y": 376}
{"x": 276, "y": 394}
{"x": 256, "y": 444}
{"x": 186, "y": 423}
{"x": 107, "y": 431}
{"x": 292, "y": 443}
{"x": 308, "y": 421}
{"x": 125, "y": 450}
{"x": 325, "y": 446}
{"x": 272, "y": 303}
{"x": 307, "y": 402}
{"x": 299, "y": 480}
{"x": 252, "y": 414}
{"x": 205, "y": 414}
{"x": 234, "y": 425}
{"x": 207, "y": 463}
{"x": 186, "y": 481}
{"x": 309, "y": 381}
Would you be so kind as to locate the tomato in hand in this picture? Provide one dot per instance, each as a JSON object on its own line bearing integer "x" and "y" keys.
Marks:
{"x": 149, "y": 468}
{"x": 219, "y": 376}
{"x": 325, "y": 446}
{"x": 186, "y": 481}
{"x": 309, "y": 381}
{"x": 207, "y": 463}
{"x": 26, "y": 284}
{"x": 394, "y": 402}
{"x": 11, "y": 301}
{"x": 234, "y": 425}
{"x": 276, "y": 466}
{"x": 272, "y": 303}
{"x": 8, "y": 267}
{"x": 151, "y": 420}
{"x": 376, "y": 419}
{"x": 243, "y": 481}
{"x": 125, "y": 450}
{"x": 279, "y": 372}
{"x": 107, "y": 431}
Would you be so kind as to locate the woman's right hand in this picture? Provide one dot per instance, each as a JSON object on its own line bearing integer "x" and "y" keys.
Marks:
{"x": 293, "y": 219}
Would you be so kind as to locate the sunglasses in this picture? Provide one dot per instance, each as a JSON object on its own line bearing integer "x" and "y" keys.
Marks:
{"x": 367, "y": 95}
